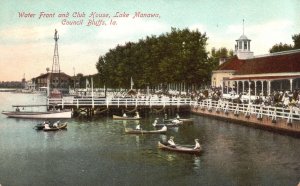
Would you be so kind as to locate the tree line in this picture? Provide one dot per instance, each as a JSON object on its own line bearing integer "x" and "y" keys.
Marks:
{"x": 179, "y": 56}
{"x": 284, "y": 47}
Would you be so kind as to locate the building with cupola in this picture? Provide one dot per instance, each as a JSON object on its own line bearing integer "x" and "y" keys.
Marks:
{"x": 259, "y": 75}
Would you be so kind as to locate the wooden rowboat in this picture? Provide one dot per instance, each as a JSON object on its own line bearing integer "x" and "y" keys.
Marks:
{"x": 125, "y": 118}
{"x": 134, "y": 131}
{"x": 180, "y": 149}
{"x": 61, "y": 126}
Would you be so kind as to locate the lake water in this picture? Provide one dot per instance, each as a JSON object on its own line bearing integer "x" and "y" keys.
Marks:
{"x": 98, "y": 152}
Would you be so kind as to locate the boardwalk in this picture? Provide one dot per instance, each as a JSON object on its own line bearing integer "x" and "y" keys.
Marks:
{"x": 277, "y": 119}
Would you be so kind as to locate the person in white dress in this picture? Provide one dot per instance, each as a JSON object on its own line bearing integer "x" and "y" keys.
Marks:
{"x": 138, "y": 127}
{"x": 164, "y": 128}
{"x": 137, "y": 115}
{"x": 197, "y": 144}
{"x": 171, "y": 142}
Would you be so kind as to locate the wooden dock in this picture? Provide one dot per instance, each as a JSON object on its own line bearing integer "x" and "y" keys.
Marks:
{"x": 91, "y": 106}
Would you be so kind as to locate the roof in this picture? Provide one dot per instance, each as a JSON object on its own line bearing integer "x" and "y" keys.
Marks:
{"x": 266, "y": 77}
{"x": 232, "y": 64}
{"x": 48, "y": 73}
{"x": 271, "y": 64}
{"x": 243, "y": 37}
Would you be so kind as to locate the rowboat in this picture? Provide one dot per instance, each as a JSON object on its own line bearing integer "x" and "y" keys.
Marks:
{"x": 180, "y": 149}
{"x": 134, "y": 131}
{"x": 63, "y": 114}
{"x": 61, "y": 126}
{"x": 125, "y": 118}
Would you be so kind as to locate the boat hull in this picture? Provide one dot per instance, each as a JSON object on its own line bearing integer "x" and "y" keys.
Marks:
{"x": 60, "y": 127}
{"x": 39, "y": 115}
{"x": 124, "y": 118}
{"x": 133, "y": 131}
{"x": 180, "y": 149}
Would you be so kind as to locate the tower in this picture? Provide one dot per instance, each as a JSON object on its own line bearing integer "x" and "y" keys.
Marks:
{"x": 55, "y": 79}
{"x": 242, "y": 47}
{"x": 55, "y": 73}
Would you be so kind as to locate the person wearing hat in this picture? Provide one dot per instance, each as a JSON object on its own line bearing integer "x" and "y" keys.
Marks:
{"x": 197, "y": 144}
{"x": 171, "y": 142}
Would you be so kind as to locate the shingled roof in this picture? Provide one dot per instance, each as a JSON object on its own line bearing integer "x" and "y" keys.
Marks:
{"x": 274, "y": 63}
{"x": 289, "y": 62}
{"x": 232, "y": 64}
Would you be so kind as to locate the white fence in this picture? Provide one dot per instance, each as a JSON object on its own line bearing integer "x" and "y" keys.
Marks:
{"x": 290, "y": 113}
{"x": 78, "y": 102}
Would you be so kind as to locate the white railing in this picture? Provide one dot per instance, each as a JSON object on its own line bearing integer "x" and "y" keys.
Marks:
{"x": 290, "y": 113}
{"x": 120, "y": 102}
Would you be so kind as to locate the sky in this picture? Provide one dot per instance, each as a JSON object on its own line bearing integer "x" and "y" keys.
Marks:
{"x": 27, "y": 44}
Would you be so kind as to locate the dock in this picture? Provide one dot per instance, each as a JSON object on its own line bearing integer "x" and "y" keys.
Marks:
{"x": 91, "y": 106}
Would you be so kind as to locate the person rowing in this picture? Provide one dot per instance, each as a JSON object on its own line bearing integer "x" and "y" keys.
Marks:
{"x": 138, "y": 127}
{"x": 164, "y": 128}
{"x": 171, "y": 142}
{"x": 154, "y": 123}
{"x": 197, "y": 144}
{"x": 137, "y": 115}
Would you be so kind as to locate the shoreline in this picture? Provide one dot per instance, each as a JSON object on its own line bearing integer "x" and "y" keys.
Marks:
{"x": 281, "y": 126}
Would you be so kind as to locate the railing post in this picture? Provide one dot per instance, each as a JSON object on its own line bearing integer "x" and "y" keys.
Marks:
{"x": 93, "y": 106}
{"x": 77, "y": 102}
{"x": 62, "y": 103}
{"x": 118, "y": 102}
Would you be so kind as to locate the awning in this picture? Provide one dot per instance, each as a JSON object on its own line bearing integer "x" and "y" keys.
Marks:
{"x": 264, "y": 78}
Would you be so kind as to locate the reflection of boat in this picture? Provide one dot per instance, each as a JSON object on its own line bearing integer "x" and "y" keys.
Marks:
{"x": 59, "y": 127}
{"x": 125, "y": 118}
{"x": 134, "y": 131}
{"x": 187, "y": 120}
{"x": 47, "y": 115}
{"x": 155, "y": 124}
{"x": 178, "y": 148}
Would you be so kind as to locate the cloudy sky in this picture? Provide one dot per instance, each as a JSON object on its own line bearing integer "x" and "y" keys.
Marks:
{"x": 26, "y": 44}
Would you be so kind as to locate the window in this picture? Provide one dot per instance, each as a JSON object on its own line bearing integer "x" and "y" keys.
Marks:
{"x": 245, "y": 45}
{"x": 240, "y": 44}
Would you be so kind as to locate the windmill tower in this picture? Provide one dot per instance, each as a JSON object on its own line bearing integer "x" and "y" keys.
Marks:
{"x": 55, "y": 72}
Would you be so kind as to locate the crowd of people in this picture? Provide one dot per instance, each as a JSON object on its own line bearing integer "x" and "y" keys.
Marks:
{"x": 278, "y": 98}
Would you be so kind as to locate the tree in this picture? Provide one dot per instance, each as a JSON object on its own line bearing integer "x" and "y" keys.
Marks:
{"x": 280, "y": 47}
{"x": 296, "y": 39}
{"x": 284, "y": 47}
{"x": 175, "y": 57}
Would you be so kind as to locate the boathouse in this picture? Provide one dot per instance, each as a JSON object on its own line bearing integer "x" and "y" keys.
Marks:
{"x": 259, "y": 75}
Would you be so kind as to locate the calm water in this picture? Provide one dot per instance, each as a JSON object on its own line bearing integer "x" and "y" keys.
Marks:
{"x": 97, "y": 152}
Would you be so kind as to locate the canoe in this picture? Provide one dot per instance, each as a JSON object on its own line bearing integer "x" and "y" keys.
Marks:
{"x": 61, "y": 126}
{"x": 179, "y": 148}
{"x": 125, "y": 118}
{"x": 134, "y": 131}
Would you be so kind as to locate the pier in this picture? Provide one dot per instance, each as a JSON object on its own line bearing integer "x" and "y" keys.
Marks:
{"x": 276, "y": 119}
{"x": 91, "y": 106}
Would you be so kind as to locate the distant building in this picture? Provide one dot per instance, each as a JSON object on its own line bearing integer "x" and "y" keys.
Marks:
{"x": 258, "y": 74}
{"x": 60, "y": 80}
